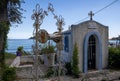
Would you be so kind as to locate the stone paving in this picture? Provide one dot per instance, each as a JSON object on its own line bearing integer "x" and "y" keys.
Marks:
{"x": 91, "y": 76}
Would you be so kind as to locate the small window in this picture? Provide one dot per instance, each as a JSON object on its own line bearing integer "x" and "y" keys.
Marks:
{"x": 66, "y": 44}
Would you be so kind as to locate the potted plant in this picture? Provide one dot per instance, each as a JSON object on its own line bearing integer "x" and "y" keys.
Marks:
{"x": 49, "y": 54}
{"x": 48, "y": 49}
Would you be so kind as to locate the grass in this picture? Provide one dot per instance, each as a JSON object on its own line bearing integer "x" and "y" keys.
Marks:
{"x": 9, "y": 58}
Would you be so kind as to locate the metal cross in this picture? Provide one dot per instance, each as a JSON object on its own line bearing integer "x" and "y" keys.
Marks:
{"x": 91, "y": 14}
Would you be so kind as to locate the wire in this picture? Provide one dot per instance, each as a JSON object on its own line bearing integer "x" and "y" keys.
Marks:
{"x": 101, "y": 9}
{"x": 34, "y": 1}
{"x": 83, "y": 19}
{"x": 106, "y": 6}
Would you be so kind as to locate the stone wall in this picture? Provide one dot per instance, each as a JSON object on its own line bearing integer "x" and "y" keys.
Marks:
{"x": 28, "y": 58}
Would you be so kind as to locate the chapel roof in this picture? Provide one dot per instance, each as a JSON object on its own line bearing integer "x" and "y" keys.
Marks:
{"x": 90, "y": 21}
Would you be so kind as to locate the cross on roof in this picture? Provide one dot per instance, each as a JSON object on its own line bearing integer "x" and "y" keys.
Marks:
{"x": 91, "y": 14}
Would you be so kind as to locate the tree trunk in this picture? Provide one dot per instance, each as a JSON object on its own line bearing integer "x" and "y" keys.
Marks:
{"x": 4, "y": 28}
{"x": 2, "y": 47}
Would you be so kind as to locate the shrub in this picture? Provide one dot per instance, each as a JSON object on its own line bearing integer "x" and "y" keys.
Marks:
{"x": 114, "y": 58}
{"x": 50, "y": 72}
{"x": 54, "y": 72}
{"x": 21, "y": 50}
{"x": 48, "y": 49}
{"x": 62, "y": 72}
{"x": 119, "y": 78}
{"x": 69, "y": 68}
{"x": 103, "y": 80}
{"x": 9, "y": 74}
{"x": 9, "y": 56}
{"x": 75, "y": 61}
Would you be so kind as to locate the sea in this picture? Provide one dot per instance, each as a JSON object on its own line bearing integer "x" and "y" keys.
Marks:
{"x": 13, "y": 44}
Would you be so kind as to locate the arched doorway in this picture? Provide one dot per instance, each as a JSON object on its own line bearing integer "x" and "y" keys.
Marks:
{"x": 91, "y": 52}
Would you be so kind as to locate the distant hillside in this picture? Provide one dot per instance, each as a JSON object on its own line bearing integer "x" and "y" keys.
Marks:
{"x": 32, "y": 38}
{"x": 115, "y": 38}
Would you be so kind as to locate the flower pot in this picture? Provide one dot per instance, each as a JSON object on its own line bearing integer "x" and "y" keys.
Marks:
{"x": 49, "y": 59}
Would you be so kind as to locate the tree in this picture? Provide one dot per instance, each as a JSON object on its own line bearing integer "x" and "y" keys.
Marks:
{"x": 75, "y": 61}
{"x": 10, "y": 13}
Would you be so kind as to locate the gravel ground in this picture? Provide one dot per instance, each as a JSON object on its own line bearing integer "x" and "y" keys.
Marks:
{"x": 99, "y": 76}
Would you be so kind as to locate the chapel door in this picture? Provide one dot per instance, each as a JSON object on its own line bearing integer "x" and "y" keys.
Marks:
{"x": 91, "y": 52}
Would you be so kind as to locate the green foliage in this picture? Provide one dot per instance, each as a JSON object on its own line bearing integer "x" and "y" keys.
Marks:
{"x": 4, "y": 28}
{"x": 68, "y": 66}
{"x": 9, "y": 55}
{"x": 48, "y": 49}
{"x": 54, "y": 72}
{"x": 10, "y": 12}
{"x": 103, "y": 80}
{"x": 75, "y": 61}
{"x": 21, "y": 49}
{"x": 114, "y": 58}
{"x": 9, "y": 74}
{"x": 50, "y": 72}
{"x": 26, "y": 53}
{"x": 62, "y": 72}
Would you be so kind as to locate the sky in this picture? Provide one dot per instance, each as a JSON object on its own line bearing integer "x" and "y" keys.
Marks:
{"x": 73, "y": 12}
